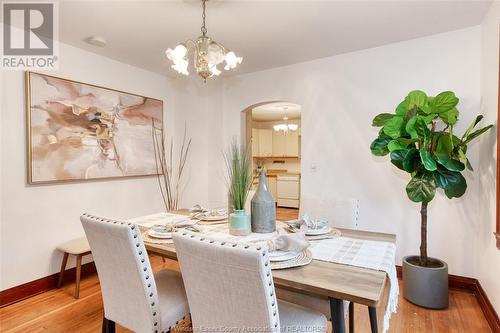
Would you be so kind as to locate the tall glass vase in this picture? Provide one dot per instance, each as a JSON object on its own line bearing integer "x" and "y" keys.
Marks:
{"x": 263, "y": 212}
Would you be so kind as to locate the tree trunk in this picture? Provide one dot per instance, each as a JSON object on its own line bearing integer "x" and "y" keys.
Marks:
{"x": 423, "y": 235}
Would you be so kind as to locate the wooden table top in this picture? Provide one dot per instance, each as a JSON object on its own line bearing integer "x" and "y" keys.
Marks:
{"x": 320, "y": 278}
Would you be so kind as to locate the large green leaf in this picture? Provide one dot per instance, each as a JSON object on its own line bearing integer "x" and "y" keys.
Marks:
{"x": 449, "y": 117}
{"x": 423, "y": 132}
{"x": 410, "y": 127}
{"x": 471, "y": 126}
{"x": 397, "y": 157}
{"x": 443, "y": 102}
{"x": 427, "y": 160}
{"x": 444, "y": 144}
{"x": 381, "y": 119}
{"x": 393, "y": 127}
{"x": 421, "y": 188}
{"x": 401, "y": 109}
{"x": 379, "y": 146}
{"x": 462, "y": 157}
{"x": 395, "y": 145}
{"x": 453, "y": 183}
{"x": 405, "y": 142}
{"x": 416, "y": 98}
{"x": 449, "y": 163}
{"x": 412, "y": 161}
{"x": 429, "y": 118}
{"x": 477, "y": 133}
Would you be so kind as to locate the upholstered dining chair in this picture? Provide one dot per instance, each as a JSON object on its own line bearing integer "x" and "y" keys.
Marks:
{"x": 340, "y": 213}
{"x": 133, "y": 296}
{"x": 230, "y": 286}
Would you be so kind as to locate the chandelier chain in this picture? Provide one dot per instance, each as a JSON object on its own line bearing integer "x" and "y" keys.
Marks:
{"x": 203, "y": 28}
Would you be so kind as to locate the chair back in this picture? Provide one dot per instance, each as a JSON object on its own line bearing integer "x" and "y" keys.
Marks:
{"x": 340, "y": 212}
{"x": 125, "y": 275}
{"x": 227, "y": 284}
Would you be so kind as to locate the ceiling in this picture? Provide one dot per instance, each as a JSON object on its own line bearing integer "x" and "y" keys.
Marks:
{"x": 266, "y": 34}
{"x": 276, "y": 111}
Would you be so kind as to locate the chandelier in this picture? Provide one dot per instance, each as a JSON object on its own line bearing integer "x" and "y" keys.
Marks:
{"x": 285, "y": 126}
{"x": 207, "y": 54}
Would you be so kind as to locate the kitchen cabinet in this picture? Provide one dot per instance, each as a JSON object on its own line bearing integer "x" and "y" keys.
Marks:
{"x": 288, "y": 187}
{"x": 273, "y": 187}
{"x": 286, "y": 145}
{"x": 262, "y": 142}
{"x": 265, "y": 142}
{"x": 292, "y": 144}
{"x": 255, "y": 142}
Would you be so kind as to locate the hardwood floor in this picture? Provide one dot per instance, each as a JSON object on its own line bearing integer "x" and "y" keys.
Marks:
{"x": 57, "y": 310}
{"x": 285, "y": 214}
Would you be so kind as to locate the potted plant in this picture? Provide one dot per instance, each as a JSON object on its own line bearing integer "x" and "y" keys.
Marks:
{"x": 419, "y": 138}
{"x": 239, "y": 179}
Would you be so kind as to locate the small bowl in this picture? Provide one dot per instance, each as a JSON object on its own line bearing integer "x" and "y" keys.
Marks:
{"x": 160, "y": 229}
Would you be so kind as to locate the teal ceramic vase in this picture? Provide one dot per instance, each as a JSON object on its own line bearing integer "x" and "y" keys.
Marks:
{"x": 239, "y": 223}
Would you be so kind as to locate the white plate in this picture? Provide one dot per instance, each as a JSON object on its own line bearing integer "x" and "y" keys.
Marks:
{"x": 319, "y": 231}
{"x": 282, "y": 255}
{"x": 162, "y": 235}
{"x": 212, "y": 218}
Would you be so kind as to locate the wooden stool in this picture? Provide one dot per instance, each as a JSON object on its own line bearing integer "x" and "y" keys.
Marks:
{"x": 77, "y": 247}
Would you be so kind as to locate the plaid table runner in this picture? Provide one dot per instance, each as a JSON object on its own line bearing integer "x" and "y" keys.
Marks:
{"x": 376, "y": 255}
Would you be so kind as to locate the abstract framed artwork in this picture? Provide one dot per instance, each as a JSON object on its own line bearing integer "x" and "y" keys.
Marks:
{"x": 78, "y": 131}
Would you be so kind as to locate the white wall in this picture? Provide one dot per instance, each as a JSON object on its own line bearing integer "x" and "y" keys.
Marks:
{"x": 35, "y": 218}
{"x": 339, "y": 97}
{"x": 488, "y": 259}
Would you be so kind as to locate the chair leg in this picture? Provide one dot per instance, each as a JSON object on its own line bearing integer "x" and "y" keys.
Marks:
{"x": 78, "y": 274}
{"x": 108, "y": 326}
{"x": 373, "y": 319}
{"x": 351, "y": 317}
{"x": 337, "y": 313}
{"x": 63, "y": 268}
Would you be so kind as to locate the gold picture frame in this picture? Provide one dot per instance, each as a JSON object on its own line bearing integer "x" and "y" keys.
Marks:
{"x": 95, "y": 131}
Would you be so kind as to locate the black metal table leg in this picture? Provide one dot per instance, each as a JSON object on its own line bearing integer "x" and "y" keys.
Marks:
{"x": 337, "y": 312}
{"x": 351, "y": 317}
{"x": 373, "y": 318}
{"x": 108, "y": 326}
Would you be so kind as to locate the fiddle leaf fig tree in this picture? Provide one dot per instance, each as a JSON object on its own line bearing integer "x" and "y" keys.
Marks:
{"x": 419, "y": 139}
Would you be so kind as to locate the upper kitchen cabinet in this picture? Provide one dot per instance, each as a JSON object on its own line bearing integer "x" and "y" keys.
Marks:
{"x": 262, "y": 142}
{"x": 286, "y": 144}
{"x": 255, "y": 142}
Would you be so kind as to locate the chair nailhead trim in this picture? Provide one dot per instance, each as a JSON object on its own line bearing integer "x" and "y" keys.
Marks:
{"x": 266, "y": 264}
{"x": 139, "y": 251}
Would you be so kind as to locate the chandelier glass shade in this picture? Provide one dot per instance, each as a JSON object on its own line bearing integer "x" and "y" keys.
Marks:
{"x": 207, "y": 54}
{"x": 285, "y": 126}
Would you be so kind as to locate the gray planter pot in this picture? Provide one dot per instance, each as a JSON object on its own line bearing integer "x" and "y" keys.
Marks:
{"x": 425, "y": 286}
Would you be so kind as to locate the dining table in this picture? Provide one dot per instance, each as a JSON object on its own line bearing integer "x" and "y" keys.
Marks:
{"x": 327, "y": 280}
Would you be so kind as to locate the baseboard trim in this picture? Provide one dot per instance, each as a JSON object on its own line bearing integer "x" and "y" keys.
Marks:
{"x": 29, "y": 289}
{"x": 473, "y": 286}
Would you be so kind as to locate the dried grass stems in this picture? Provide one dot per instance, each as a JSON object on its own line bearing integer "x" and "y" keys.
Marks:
{"x": 169, "y": 179}
{"x": 239, "y": 175}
